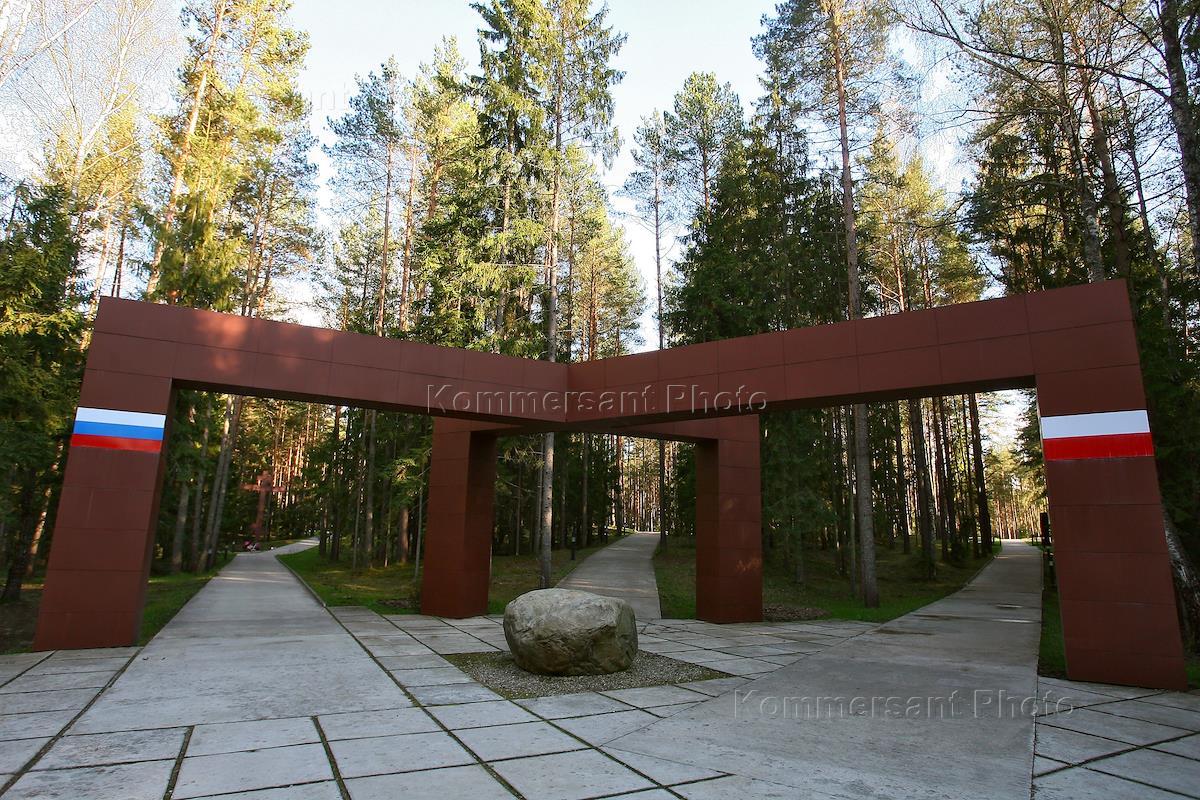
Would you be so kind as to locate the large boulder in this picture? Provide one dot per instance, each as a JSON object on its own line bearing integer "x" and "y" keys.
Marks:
{"x": 564, "y": 632}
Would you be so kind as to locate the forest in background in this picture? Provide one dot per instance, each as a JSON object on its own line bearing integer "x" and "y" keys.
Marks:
{"x": 470, "y": 209}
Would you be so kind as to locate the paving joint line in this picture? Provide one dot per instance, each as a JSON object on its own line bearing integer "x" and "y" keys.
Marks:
{"x": 41, "y": 660}
{"x": 428, "y": 713}
{"x": 53, "y": 740}
{"x": 333, "y": 766}
{"x": 178, "y": 766}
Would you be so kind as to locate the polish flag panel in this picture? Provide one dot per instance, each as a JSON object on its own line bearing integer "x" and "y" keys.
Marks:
{"x": 1110, "y": 434}
{"x": 118, "y": 430}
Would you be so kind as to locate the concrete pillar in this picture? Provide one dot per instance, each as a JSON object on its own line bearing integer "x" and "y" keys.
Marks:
{"x": 729, "y": 523}
{"x": 1120, "y": 623}
{"x": 458, "y": 540}
{"x": 103, "y": 536}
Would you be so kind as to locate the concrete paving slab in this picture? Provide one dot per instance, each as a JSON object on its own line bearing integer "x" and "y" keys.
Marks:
{"x": 96, "y": 749}
{"x": 1161, "y": 770}
{"x": 742, "y": 788}
{"x": 572, "y": 705}
{"x": 57, "y": 666}
{"x": 741, "y": 666}
{"x": 437, "y": 676}
{"x": 362, "y": 724}
{"x": 1119, "y": 692}
{"x": 427, "y": 661}
{"x": 63, "y": 680}
{"x": 1153, "y": 712}
{"x": 258, "y": 769}
{"x": 515, "y": 741}
{"x": 603, "y": 728}
{"x": 1109, "y": 726}
{"x": 55, "y": 700}
{"x": 1081, "y": 783}
{"x": 1073, "y": 747}
{"x": 146, "y": 780}
{"x": 235, "y": 737}
{"x": 452, "y": 693}
{"x": 229, "y": 653}
{"x": 939, "y": 660}
{"x": 471, "y": 782}
{"x": 37, "y": 723}
{"x": 325, "y": 790}
{"x": 654, "y": 696}
{"x": 14, "y": 754}
{"x": 481, "y": 715}
{"x": 625, "y": 570}
{"x": 1044, "y": 766}
{"x": 1188, "y": 700}
{"x": 661, "y": 770}
{"x": 1188, "y": 747}
{"x": 570, "y": 776}
{"x": 383, "y": 755}
{"x": 666, "y": 711}
{"x": 15, "y": 664}
{"x": 717, "y": 686}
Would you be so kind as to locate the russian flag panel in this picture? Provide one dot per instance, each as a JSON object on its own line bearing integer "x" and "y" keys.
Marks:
{"x": 1109, "y": 434}
{"x": 118, "y": 430}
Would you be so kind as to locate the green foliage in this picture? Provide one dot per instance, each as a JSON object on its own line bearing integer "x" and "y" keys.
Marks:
{"x": 41, "y": 330}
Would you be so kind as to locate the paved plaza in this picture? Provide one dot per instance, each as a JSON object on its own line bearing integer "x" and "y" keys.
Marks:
{"x": 256, "y": 691}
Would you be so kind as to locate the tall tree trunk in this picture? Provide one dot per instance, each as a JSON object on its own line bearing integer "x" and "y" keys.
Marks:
{"x": 547, "y": 488}
{"x": 1113, "y": 200}
{"x": 181, "y": 516}
{"x": 865, "y": 515}
{"x": 924, "y": 492}
{"x": 1184, "y": 117}
{"x": 18, "y": 553}
{"x": 981, "y": 492}
{"x": 216, "y": 507}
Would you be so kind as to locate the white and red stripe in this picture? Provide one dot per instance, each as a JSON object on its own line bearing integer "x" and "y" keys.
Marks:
{"x": 1109, "y": 434}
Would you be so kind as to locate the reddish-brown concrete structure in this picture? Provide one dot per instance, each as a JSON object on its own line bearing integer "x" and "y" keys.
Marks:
{"x": 1076, "y": 346}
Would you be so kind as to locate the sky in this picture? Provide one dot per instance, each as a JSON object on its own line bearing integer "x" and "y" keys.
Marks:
{"x": 667, "y": 40}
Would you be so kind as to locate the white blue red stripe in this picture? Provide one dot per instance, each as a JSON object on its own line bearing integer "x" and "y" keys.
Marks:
{"x": 118, "y": 430}
{"x": 1108, "y": 434}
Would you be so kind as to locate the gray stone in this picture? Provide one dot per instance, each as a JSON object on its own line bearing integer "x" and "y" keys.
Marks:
{"x": 624, "y": 569}
{"x": 565, "y": 632}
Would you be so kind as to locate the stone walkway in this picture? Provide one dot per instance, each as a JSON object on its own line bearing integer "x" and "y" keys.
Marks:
{"x": 255, "y": 692}
{"x": 624, "y": 569}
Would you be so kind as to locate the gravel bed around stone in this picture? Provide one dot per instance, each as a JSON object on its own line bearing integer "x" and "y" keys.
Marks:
{"x": 498, "y": 672}
{"x": 781, "y": 613}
